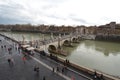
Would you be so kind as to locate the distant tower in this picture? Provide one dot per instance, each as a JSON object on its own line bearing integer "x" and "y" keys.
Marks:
{"x": 112, "y": 25}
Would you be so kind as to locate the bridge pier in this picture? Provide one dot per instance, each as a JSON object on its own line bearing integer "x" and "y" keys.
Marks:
{"x": 59, "y": 47}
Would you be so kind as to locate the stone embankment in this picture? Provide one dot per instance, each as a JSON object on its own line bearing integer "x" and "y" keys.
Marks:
{"x": 114, "y": 38}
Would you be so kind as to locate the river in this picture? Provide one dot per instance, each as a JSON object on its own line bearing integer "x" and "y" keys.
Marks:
{"x": 28, "y": 36}
{"x": 98, "y": 55}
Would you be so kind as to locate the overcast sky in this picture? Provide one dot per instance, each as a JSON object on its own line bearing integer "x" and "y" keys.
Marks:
{"x": 59, "y": 12}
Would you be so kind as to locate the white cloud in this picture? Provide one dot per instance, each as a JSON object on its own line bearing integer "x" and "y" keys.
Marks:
{"x": 62, "y": 12}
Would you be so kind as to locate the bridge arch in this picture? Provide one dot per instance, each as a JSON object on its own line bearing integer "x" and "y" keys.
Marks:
{"x": 52, "y": 47}
{"x": 73, "y": 39}
{"x": 66, "y": 42}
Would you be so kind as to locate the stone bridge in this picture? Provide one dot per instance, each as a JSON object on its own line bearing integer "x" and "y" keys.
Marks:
{"x": 58, "y": 42}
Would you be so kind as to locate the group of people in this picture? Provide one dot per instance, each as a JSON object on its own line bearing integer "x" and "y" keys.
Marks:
{"x": 9, "y": 48}
{"x": 59, "y": 69}
{"x": 13, "y": 47}
{"x": 66, "y": 62}
{"x": 5, "y": 47}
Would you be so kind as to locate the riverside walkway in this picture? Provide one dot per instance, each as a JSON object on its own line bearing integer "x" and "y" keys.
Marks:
{"x": 24, "y": 70}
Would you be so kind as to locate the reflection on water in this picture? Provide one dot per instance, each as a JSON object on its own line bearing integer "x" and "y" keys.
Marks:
{"x": 102, "y": 56}
{"x": 104, "y": 47}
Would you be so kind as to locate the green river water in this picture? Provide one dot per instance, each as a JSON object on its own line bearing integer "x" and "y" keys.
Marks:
{"x": 97, "y": 55}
